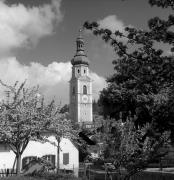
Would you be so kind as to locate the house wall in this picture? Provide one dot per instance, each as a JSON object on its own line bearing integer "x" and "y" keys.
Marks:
{"x": 68, "y": 147}
{"x": 40, "y": 149}
{"x": 6, "y": 159}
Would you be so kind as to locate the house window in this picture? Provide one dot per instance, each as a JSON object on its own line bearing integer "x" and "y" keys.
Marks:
{"x": 65, "y": 158}
{"x": 84, "y": 89}
{"x": 88, "y": 126}
{"x": 78, "y": 71}
{"x": 84, "y": 71}
{"x": 50, "y": 158}
{"x": 26, "y": 160}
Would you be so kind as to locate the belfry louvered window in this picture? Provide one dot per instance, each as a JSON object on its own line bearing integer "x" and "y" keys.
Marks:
{"x": 84, "y": 89}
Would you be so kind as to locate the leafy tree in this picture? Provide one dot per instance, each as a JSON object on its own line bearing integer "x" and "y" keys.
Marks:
{"x": 143, "y": 80}
{"x": 136, "y": 150}
{"x": 96, "y": 107}
{"x": 129, "y": 148}
{"x": 24, "y": 116}
{"x": 141, "y": 88}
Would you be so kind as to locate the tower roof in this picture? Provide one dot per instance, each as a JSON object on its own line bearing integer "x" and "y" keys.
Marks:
{"x": 80, "y": 56}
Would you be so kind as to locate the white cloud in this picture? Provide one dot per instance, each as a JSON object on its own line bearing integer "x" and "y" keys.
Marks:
{"x": 112, "y": 22}
{"x": 98, "y": 84}
{"x": 24, "y": 26}
{"x": 52, "y": 79}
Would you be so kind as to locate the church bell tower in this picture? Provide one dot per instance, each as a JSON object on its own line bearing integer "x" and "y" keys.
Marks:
{"x": 80, "y": 86}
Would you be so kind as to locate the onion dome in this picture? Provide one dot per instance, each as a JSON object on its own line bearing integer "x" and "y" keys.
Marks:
{"x": 80, "y": 56}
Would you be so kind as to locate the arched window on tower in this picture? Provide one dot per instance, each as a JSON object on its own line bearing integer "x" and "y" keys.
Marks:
{"x": 84, "y": 89}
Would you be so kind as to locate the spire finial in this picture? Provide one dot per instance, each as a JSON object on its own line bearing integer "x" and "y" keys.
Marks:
{"x": 80, "y": 32}
{"x": 80, "y": 42}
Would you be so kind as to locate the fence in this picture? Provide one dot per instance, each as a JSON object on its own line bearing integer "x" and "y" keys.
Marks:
{"x": 101, "y": 175}
{"x": 91, "y": 173}
{"x": 7, "y": 172}
{"x": 153, "y": 176}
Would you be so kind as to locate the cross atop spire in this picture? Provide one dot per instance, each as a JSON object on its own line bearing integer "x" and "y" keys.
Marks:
{"x": 80, "y": 32}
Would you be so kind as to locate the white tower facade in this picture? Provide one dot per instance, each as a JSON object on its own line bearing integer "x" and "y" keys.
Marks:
{"x": 80, "y": 87}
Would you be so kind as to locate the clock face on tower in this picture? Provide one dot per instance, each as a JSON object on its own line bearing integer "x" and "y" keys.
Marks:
{"x": 84, "y": 98}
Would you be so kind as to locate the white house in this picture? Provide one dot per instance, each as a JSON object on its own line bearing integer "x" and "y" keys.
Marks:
{"x": 69, "y": 155}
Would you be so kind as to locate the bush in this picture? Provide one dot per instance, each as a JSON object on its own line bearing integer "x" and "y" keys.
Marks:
{"x": 21, "y": 178}
{"x": 43, "y": 176}
{"x": 53, "y": 176}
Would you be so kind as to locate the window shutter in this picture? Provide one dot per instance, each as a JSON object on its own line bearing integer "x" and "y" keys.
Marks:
{"x": 65, "y": 158}
{"x": 4, "y": 147}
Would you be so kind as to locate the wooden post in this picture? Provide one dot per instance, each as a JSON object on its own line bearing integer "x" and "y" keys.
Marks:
{"x": 105, "y": 171}
{"x": 73, "y": 168}
{"x": 89, "y": 172}
{"x": 58, "y": 155}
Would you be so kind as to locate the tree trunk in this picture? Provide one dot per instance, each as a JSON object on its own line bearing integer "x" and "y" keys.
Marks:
{"x": 18, "y": 165}
{"x": 58, "y": 155}
{"x": 14, "y": 165}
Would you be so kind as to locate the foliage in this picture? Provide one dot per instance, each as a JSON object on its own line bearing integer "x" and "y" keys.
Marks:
{"x": 140, "y": 92}
{"x": 24, "y": 116}
{"x": 108, "y": 136}
{"x": 21, "y": 178}
{"x": 143, "y": 80}
{"x": 142, "y": 72}
{"x": 96, "y": 108}
{"x": 53, "y": 176}
{"x": 64, "y": 109}
{"x": 43, "y": 176}
{"x": 137, "y": 149}
{"x": 162, "y": 3}
{"x": 45, "y": 165}
{"x": 61, "y": 127}
{"x": 129, "y": 148}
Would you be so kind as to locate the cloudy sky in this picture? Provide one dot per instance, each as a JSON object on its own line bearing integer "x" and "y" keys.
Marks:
{"x": 37, "y": 39}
